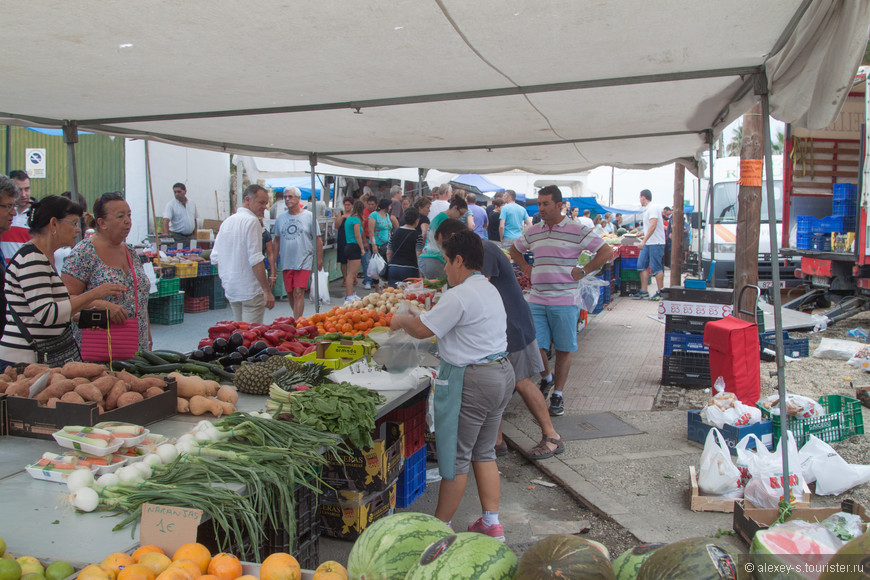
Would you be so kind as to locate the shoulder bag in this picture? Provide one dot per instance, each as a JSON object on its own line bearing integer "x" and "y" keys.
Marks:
{"x": 55, "y": 351}
{"x": 385, "y": 271}
{"x": 118, "y": 341}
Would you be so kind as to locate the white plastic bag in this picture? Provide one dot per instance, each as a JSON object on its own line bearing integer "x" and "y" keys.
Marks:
{"x": 588, "y": 292}
{"x": 861, "y": 359}
{"x": 797, "y": 406}
{"x": 376, "y": 264}
{"x": 767, "y": 485}
{"x": 717, "y": 474}
{"x": 748, "y": 458}
{"x": 821, "y": 463}
{"x": 323, "y": 287}
{"x": 836, "y": 349}
{"x": 737, "y": 415}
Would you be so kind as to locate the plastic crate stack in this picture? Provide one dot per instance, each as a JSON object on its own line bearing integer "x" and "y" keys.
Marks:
{"x": 166, "y": 309}
{"x": 845, "y": 206}
{"x": 805, "y": 226}
{"x": 305, "y": 546}
{"x": 198, "y": 291}
{"x": 605, "y": 293}
{"x": 842, "y": 419}
{"x": 793, "y": 347}
{"x": 629, "y": 275}
{"x": 686, "y": 361}
{"x": 412, "y": 479}
{"x": 217, "y": 299}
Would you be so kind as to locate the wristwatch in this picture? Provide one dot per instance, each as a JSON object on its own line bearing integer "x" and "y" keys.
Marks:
{"x": 583, "y": 269}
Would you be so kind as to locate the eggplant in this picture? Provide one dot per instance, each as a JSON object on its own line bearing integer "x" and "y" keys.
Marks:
{"x": 220, "y": 345}
{"x": 243, "y": 350}
{"x": 272, "y": 351}
{"x": 232, "y": 368}
{"x": 197, "y": 355}
{"x": 257, "y": 348}
{"x": 235, "y": 341}
{"x": 209, "y": 353}
{"x": 233, "y": 358}
{"x": 262, "y": 357}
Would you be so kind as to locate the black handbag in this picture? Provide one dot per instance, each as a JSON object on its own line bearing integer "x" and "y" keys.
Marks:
{"x": 55, "y": 351}
{"x": 384, "y": 274}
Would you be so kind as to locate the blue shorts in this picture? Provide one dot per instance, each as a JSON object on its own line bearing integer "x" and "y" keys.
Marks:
{"x": 651, "y": 257}
{"x": 556, "y": 324}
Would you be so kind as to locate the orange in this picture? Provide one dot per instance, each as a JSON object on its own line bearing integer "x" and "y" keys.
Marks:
{"x": 157, "y": 563}
{"x": 175, "y": 573}
{"x": 196, "y": 552}
{"x": 136, "y": 572}
{"x": 146, "y": 549}
{"x": 248, "y": 577}
{"x": 208, "y": 577}
{"x": 115, "y": 561}
{"x": 189, "y": 566}
{"x": 95, "y": 572}
{"x": 225, "y": 566}
{"x": 280, "y": 566}
{"x": 330, "y": 570}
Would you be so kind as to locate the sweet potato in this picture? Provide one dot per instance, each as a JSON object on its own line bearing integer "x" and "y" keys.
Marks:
{"x": 55, "y": 390}
{"x": 72, "y": 370}
{"x": 72, "y": 397}
{"x": 35, "y": 370}
{"x": 136, "y": 384}
{"x": 154, "y": 381}
{"x": 81, "y": 381}
{"x": 119, "y": 389}
{"x": 129, "y": 398}
{"x": 52, "y": 403}
{"x": 153, "y": 392}
{"x": 11, "y": 373}
{"x": 20, "y": 388}
{"x": 55, "y": 378}
{"x": 105, "y": 384}
{"x": 89, "y": 392}
{"x": 228, "y": 394}
{"x": 182, "y": 405}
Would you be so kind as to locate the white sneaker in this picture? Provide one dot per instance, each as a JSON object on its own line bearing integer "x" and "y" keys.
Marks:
{"x": 367, "y": 286}
{"x": 352, "y": 298}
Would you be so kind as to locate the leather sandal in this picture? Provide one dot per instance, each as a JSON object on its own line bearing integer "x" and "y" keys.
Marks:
{"x": 501, "y": 449}
{"x": 542, "y": 451}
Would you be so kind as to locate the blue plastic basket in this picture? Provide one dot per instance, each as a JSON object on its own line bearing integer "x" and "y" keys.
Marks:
{"x": 848, "y": 208}
{"x": 806, "y": 224}
{"x": 629, "y": 263}
{"x": 412, "y": 480}
{"x": 804, "y": 242}
{"x": 831, "y": 225}
{"x": 821, "y": 243}
{"x": 845, "y": 191}
{"x": 684, "y": 342}
{"x": 793, "y": 347}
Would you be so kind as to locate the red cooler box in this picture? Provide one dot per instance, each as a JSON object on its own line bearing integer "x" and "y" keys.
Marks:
{"x": 734, "y": 356}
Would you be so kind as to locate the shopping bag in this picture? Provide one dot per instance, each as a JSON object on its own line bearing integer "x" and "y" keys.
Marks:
{"x": 821, "y": 463}
{"x": 717, "y": 474}
{"x": 747, "y": 458}
{"x": 323, "y": 286}
{"x": 767, "y": 485}
{"x": 119, "y": 342}
{"x": 376, "y": 264}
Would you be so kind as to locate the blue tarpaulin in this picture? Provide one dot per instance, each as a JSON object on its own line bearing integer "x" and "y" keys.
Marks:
{"x": 596, "y": 208}
{"x": 477, "y": 184}
{"x": 301, "y": 183}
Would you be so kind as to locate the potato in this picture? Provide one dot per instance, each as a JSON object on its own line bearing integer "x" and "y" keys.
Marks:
{"x": 81, "y": 381}
{"x": 153, "y": 392}
{"x": 105, "y": 384}
{"x": 89, "y": 392}
{"x": 129, "y": 398}
{"x": 55, "y": 390}
{"x": 72, "y": 370}
{"x": 35, "y": 370}
{"x": 119, "y": 389}
{"x": 20, "y": 388}
{"x": 72, "y": 397}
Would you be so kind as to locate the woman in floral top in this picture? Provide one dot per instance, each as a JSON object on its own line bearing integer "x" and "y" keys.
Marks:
{"x": 105, "y": 257}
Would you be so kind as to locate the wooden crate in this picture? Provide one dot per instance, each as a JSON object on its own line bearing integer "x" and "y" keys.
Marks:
{"x": 707, "y": 503}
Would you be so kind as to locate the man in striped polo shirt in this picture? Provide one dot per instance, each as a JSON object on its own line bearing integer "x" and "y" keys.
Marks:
{"x": 556, "y": 243}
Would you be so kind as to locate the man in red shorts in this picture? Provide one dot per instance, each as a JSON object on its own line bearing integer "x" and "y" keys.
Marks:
{"x": 296, "y": 239}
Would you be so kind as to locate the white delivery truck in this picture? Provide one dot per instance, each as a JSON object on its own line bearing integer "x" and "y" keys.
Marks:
{"x": 719, "y": 233}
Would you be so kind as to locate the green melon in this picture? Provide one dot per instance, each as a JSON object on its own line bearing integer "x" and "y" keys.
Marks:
{"x": 852, "y": 561}
{"x": 621, "y": 232}
{"x": 695, "y": 558}
{"x": 465, "y": 556}
{"x": 392, "y": 545}
{"x": 629, "y": 562}
{"x": 565, "y": 556}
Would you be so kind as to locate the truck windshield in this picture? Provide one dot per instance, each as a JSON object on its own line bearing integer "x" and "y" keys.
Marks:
{"x": 725, "y": 202}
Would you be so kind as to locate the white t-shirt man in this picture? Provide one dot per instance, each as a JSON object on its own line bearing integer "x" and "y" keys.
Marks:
{"x": 438, "y": 206}
{"x": 651, "y": 212}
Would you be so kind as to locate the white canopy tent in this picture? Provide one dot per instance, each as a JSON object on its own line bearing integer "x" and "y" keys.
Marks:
{"x": 466, "y": 87}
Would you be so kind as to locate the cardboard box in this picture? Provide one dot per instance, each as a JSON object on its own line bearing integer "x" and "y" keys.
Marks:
{"x": 27, "y": 418}
{"x": 346, "y": 514}
{"x": 709, "y": 503}
{"x": 213, "y": 225}
{"x": 334, "y": 355}
{"x": 697, "y": 431}
{"x": 371, "y": 469}
{"x": 206, "y": 234}
{"x": 749, "y": 519}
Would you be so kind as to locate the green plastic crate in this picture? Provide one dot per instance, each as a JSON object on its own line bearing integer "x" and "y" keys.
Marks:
{"x": 842, "y": 419}
{"x": 168, "y": 286}
{"x": 217, "y": 299}
{"x": 630, "y": 275}
{"x": 167, "y": 309}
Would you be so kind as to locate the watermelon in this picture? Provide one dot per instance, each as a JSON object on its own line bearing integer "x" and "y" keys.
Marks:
{"x": 392, "y": 545}
{"x": 621, "y": 232}
{"x": 565, "y": 556}
{"x": 852, "y": 561}
{"x": 695, "y": 558}
{"x": 629, "y": 562}
{"x": 795, "y": 542}
{"x": 464, "y": 556}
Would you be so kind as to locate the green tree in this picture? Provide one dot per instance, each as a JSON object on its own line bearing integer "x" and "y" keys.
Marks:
{"x": 733, "y": 147}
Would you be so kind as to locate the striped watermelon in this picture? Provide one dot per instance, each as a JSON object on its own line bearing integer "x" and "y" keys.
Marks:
{"x": 695, "y": 558}
{"x": 563, "y": 556}
{"x": 465, "y": 556}
{"x": 629, "y": 562}
{"x": 392, "y": 545}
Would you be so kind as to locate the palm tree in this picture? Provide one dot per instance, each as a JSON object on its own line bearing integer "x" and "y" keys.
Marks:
{"x": 733, "y": 147}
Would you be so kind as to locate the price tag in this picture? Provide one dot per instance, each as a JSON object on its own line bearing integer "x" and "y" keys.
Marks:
{"x": 675, "y": 308}
{"x": 168, "y": 527}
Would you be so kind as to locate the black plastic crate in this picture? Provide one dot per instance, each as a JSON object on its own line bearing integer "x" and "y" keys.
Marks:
{"x": 629, "y": 287}
{"x": 687, "y": 369}
{"x": 686, "y": 324}
{"x": 708, "y": 296}
{"x": 307, "y": 525}
{"x": 793, "y": 347}
{"x": 217, "y": 299}
{"x": 198, "y": 286}
{"x": 308, "y": 553}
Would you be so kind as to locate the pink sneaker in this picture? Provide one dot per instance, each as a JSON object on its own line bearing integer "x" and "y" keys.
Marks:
{"x": 493, "y": 531}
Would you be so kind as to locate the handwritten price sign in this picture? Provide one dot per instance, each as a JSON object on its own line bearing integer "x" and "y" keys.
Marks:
{"x": 673, "y": 308}
{"x": 168, "y": 527}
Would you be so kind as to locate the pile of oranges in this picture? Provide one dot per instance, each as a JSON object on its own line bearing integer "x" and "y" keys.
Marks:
{"x": 346, "y": 320}
{"x": 193, "y": 561}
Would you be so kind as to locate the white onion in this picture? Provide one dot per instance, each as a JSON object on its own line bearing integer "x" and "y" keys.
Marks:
{"x": 108, "y": 480}
{"x": 167, "y": 452}
{"x": 129, "y": 474}
{"x": 152, "y": 460}
{"x": 79, "y": 478}
{"x": 85, "y": 499}
{"x": 144, "y": 469}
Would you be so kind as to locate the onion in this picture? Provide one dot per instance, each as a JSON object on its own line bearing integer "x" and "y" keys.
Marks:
{"x": 167, "y": 452}
{"x": 85, "y": 499}
{"x": 152, "y": 460}
{"x": 108, "y": 480}
{"x": 144, "y": 469}
{"x": 79, "y": 478}
{"x": 129, "y": 474}
{"x": 186, "y": 443}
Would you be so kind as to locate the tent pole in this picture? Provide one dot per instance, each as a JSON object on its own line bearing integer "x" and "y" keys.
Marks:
{"x": 312, "y": 160}
{"x": 761, "y": 87}
{"x": 150, "y": 195}
{"x": 711, "y": 219}
{"x": 71, "y": 137}
{"x": 420, "y": 171}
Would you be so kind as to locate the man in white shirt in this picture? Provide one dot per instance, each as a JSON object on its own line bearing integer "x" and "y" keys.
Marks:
{"x": 586, "y": 219}
{"x": 179, "y": 217}
{"x": 296, "y": 243}
{"x": 238, "y": 253}
{"x": 652, "y": 248}
{"x": 440, "y": 201}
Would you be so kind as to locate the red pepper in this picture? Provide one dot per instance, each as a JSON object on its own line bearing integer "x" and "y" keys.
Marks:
{"x": 221, "y": 330}
{"x": 285, "y": 346}
{"x": 258, "y": 327}
{"x": 273, "y": 337}
{"x": 247, "y": 342}
{"x": 302, "y": 387}
{"x": 311, "y": 331}
{"x": 250, "y": 335}
{"x": 232, "y": 323}
{"x": 285, "y": 320}
{"x": 310, "y": 349}
{"x": 205, "y": 342}
{"x": 286, "y": 327}
{"x": 296, "y": 348}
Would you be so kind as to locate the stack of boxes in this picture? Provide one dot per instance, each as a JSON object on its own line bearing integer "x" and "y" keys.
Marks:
{"x": 412, "y": 479}
{"x": 629, "y": 274}
{"x": 819, "y": 234}
{"x": 185, "y": 287}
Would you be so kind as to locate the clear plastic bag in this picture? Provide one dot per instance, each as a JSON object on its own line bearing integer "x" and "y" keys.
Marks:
{"x": 588, "y": 292}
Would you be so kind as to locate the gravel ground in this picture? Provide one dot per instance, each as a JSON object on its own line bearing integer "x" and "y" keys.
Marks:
{"x": 811, "y": 377}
